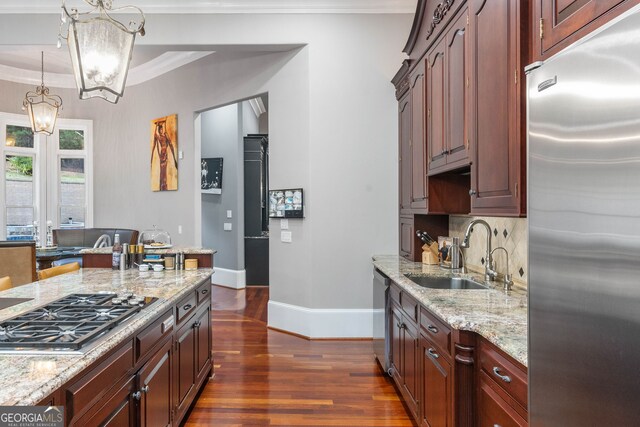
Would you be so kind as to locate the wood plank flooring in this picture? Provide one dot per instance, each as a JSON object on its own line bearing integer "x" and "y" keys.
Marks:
{"x": 269, "y": 378}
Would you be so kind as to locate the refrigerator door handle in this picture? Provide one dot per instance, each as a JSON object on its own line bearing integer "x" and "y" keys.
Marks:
{"x": 547, "y": 83}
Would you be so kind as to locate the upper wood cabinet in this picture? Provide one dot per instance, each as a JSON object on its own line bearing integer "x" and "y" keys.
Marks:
{"x": 418, "y": 154}
{"x": 562, "y": 22}
{"x": 498, "y": 119}
{"x": 448, "y": 98}
{"x": 405, "y": 161}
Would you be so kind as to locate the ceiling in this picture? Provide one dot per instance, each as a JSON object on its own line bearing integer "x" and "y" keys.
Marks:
{"x": 228, "y": 6}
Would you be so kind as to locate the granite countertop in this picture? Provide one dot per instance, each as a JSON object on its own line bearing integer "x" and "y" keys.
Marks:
{"x": 499, "y": 316}
{"x": 27, "y": 379}
{"x": 173, "y": 250}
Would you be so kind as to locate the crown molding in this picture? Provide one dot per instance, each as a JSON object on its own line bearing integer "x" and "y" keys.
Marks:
{"x": 239, "y": 6}
{"x": 156, "y": 67}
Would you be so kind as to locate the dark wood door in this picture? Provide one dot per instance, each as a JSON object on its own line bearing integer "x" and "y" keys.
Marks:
{"x": 184, "y": 365}
{"x": 497, "y": 75}
{"x": 410, "y": 364}
{"x": 406, "y": 238}
{"x": 116, "y": 410}
{"x": 437, "y": 394}
{"x": 436, "y": 106}
{"x": 418, "y": 140}
{"x": 154, "y": 384}
{"x": 203, "y": 342}
{"x": 405, "y": 166}
{"x": 396, "y": 344}
{"x": 562, "y": 18}
{"x": 494, "y": 410}
{"x": 458, "y": 102}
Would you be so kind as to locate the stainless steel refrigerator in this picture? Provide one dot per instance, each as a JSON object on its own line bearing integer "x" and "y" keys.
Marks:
{"x": 584, "y": 231}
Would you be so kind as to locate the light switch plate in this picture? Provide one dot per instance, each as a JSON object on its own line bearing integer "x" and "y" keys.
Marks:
{"x": 229, "y": 214}
{"x": 227, "y": 226}
{"x": 180, "y": 154}
{"x": 284, "y": 224}
{"x": 179, "y": 229}
{"x": 285, "y": 236}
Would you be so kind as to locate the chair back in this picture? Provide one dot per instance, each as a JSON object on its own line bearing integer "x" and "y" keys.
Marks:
{"x": 56, "y": 271}
{"x": 18, "y": 261}
{"x": 5, "y": 283}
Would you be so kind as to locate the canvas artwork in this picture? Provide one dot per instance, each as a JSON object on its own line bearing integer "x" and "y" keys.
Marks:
{"x": 164, "y": 153}
{"x": 211, "y": 175}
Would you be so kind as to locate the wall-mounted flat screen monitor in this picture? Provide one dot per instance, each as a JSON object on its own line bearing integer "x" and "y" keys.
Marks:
{"x": 286, "y": 203}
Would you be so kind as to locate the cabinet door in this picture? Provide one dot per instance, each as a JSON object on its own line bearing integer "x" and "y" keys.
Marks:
{"x": 494, "y": 410}
{"x": 116, "y": 410}
{"x": 436, "y": 106}
{"x": 203, "y": 342}
{"x": 437, "y": 397}
{"x": 406, "y": 238}
{"x": 418, "y": 141}
{"x": 404, "y": 117}
{"x": 564, "y": 17}
{"x": 410, "y": 344}
{"x": 396, "y": 347}
{"x": 154, "y": 384}
{"x": 184, "y": 365}
{"x": 458, "y": 102}
{"x": 495, "y": 171}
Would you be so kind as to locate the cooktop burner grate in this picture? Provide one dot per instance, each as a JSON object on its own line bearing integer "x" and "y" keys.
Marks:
{"x": 68, "y": 323}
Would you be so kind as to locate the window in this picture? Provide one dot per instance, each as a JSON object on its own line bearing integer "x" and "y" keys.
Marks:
{"x": 46, "y": 178}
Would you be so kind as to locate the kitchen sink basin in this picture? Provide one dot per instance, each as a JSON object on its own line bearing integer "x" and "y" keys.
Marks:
{"x": 444, "y": 282}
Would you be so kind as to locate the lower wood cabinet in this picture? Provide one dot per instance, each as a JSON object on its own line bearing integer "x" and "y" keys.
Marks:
{"x": 436, "y": 406}
{"x": 151, "y": 379}
{"x": 405, "y": 366}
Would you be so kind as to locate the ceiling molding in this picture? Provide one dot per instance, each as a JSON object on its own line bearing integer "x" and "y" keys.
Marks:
{"x": 156, "y": 67}
{"x": 236, "y": 6}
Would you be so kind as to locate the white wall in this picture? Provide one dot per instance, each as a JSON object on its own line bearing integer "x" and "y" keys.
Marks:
{"x": 333, "y": 131}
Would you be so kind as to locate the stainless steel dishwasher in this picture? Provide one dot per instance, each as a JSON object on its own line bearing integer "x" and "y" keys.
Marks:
{"x": 381, "y": 343}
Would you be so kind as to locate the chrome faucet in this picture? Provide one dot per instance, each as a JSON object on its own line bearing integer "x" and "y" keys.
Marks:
{"x": 489, "y": 273}
{"x": 103, "y": 241}
{"x": 508, "y": 282}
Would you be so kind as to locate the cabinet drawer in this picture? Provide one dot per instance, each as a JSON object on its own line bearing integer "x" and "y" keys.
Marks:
{"x": 409, "y": 306}
{"x": 153, "y": 333}
{"x": 99, "y": 380}
{"x": 185, "y": 307}
{"x": 203, "y": 292}
{"x": 504, "y": 372}
{"x": 495, "y": 411}
{"x": 435, "y": 330}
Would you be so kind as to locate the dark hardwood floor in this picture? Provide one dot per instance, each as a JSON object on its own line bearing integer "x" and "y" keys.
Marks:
{"x": 265, "y": 377}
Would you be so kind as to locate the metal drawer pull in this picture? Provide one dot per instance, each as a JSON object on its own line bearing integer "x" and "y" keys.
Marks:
{"x": 187, "y": 307}
{"x": 145, "y": 389}
{"x": 432, "y": 328}
{"x": 433, "y": 353}
{"x": 505, "y": 378}
{"x": 204, "y": 291}
{"x": 497, "y": 425}
{"x": 197, "y": 324}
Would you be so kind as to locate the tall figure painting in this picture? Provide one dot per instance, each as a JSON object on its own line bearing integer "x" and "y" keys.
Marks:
{"x": 164, "y": 153}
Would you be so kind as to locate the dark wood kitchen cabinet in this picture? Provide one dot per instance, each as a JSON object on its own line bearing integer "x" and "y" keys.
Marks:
{"x": 418, "y": 148}
{"x": 562, "y": 22}
{"x": 154, "y": 389}
{"x": 448, "y": 64}
{"x": 405, "y": 161}
{"x": 407, "y": 237}
{"x": 437, "y": 391}
{"x": 499, "y": 50}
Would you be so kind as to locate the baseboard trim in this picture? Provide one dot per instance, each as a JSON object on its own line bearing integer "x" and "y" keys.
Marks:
{"x": 234, "y": 279}
{"x": 315, "y": 323}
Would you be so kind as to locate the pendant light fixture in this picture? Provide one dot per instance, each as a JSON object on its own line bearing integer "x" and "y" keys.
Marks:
{"x": 100, "y": 47}
{"x": 42, "y": 107}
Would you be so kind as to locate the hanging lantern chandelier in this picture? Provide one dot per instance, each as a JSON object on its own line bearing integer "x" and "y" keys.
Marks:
{"x": 100, "y": 47}
{"x": 42, "y": 107}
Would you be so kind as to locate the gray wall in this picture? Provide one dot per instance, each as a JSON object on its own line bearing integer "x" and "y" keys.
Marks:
{"x": 221, "y": 138}
{"x": 333, "y": 131}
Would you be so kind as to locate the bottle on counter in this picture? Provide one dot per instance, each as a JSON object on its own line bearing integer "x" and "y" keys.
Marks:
{"x": 125, "y": 257}
{"x": 117, "y": 252}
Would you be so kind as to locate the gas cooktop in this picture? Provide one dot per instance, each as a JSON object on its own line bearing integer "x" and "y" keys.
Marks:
{"x": 70, "y": 323}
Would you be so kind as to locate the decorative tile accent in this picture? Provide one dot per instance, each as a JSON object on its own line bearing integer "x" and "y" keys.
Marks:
{"x": 513, "y": 238}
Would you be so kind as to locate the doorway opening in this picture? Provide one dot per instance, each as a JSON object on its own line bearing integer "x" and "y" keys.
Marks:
{"x": 234, "y": 177}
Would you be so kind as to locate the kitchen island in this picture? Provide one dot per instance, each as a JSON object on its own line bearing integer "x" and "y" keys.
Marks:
{"x": 173, "y": 331}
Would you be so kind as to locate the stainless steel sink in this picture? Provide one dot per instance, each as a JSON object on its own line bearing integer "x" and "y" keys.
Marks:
{"x": 444, "y": 282}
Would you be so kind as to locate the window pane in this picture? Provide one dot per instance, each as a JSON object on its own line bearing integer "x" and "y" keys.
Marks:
{"x": 19, "y": 136}
{"x": 19, "y": 180}
{"x": 72, "y": 216}
{"x": 71, "y": 139}
{"x": 19, "y": 223}
{"x": 72, "y": 182}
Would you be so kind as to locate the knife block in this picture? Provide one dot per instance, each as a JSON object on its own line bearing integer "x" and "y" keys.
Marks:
{"x": 430, "y": 254}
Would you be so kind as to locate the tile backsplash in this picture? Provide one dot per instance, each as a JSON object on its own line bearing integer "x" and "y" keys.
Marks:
{"x": 510, "y": 233}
